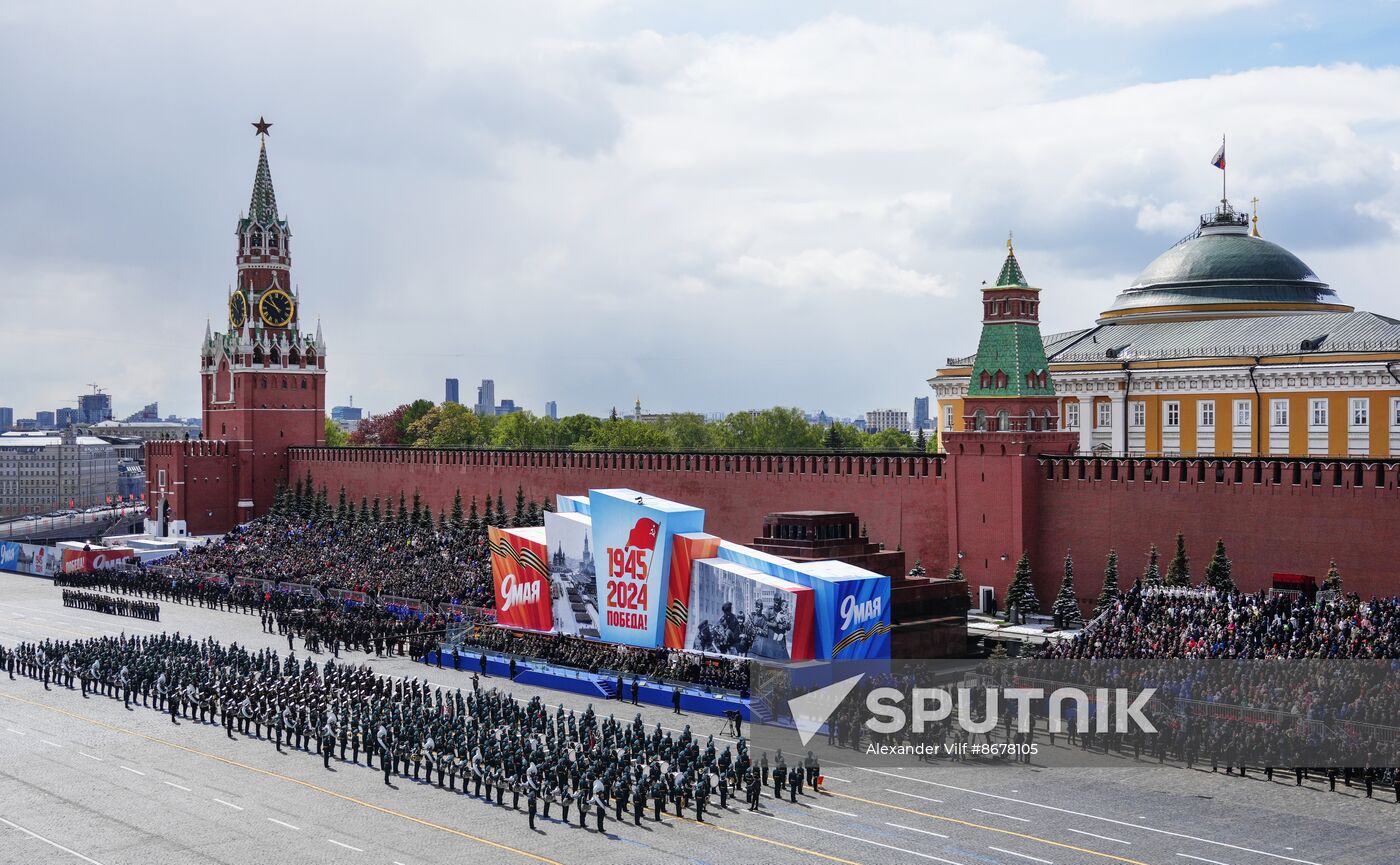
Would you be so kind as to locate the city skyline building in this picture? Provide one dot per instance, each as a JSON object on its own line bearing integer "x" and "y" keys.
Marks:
{"x": 486, "y": 397}
{"x": 886, "y": 418}
{"x": 551, "y": 410}
{"x": 451, "y": 391}
{"x": 94, "y": 407}
{"x": 921, "y": 412}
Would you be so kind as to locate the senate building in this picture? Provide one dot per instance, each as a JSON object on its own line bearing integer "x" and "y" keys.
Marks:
{"x": 1226, "y": 345}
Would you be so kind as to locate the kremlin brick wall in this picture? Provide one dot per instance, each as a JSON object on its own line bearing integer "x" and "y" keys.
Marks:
{"x": 897, "y": 498}
{"x": 1284, "y": 516}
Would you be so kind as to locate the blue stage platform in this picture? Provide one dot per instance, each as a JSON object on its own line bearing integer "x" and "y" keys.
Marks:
{"x": 600, "y": 686}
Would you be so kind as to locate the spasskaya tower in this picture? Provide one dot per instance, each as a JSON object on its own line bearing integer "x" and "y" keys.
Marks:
{"x": 262, "y": 386}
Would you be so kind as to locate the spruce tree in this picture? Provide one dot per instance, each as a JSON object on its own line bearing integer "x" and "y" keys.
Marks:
{"x": 920, "y": 442}
{"x": 833, "y": 440}
{"x": 918, "y": 571}
{"x": 1218, "y": 571}
{"x": 1333, "y": 583}
{"x": 457, "y": 510}
{"x": 519, "y": 517}
{"x": 1179, "y": 571}
{"x": 375, "y": 516}
{"x": 998, "y": 652}
{"x": 402, "y": 516}
{"x": 532, "y": 514}
{"x": 350, "y": 515}
{"x": 956, "y": 573}
{"x": 1020, "y": 595}
{"x": 342, "y": 510}
{"x": 548, "y": 505}
{"x": 310, "y": 501}
{"x": 501, "y": 520}
{"x": 1152, "y": 575}
{"x": 442, "y": 522}
{"x": 417, "y": 509}
{"x": 1109, "y": 594}
{"x": 298, "y": 500}
{"x": 473, "y": 518}
{"x": 364, "y": 509}
{"x": 1066, "y": 609}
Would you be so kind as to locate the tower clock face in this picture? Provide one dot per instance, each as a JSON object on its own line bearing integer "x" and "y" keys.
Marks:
{"x": 276, "y": 308}
{"x": 237, "y": 310}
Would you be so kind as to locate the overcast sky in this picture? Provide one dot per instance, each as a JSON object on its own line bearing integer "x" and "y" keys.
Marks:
{"x": 711, "y": 206}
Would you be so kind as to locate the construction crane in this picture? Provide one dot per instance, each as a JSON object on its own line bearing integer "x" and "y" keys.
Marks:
{"x": 95, "y": 388}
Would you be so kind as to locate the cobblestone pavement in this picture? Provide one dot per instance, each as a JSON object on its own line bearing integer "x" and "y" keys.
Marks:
{"x": 85, "y": 780}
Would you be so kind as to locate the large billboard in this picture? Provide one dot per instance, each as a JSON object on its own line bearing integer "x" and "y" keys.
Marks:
{"x": 736, "y": 610}
{"x": 854, "y": 607}
{"x": 520, "y": 572}
{"x": 86, "y": 561}
{"x": 632, "y": 553}
{"x": 852, "y": 612}
{"x": 572, "y": 575}
{"x": 31, "y": 559}
{"x": 686, "y": 550}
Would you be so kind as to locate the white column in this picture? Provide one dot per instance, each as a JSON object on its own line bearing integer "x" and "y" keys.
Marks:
{"x": 1120, "y": 424}
{"x": 1086, "y": 424}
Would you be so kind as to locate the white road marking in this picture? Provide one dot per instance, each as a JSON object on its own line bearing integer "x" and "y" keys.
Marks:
{"x": 862, "y": 840}
{"x": 1022, "y": 855}
{"x": 177, "y": 786}
{"x": 912, "y": 796}
{"x": 16, "y": 732}
{"x": 343, "y": 844}
{"x": 1100, "y": 837}
{"x": 48, "y": 742}
{"x": 133, "y": 771}
{"x": 826, "y": 777}
{"x": 38, "y": 837}
{"x": 832, "y": 810}
{"x": 89, "y": 756}
{"x": 999, "y": 814}
{"x": 920, "y": 831}
{"x": 280, "y": 823}
{"x": 1199, "y": 859}
{"x": 1087, "y": 815}
{"x": 229, "y": 804}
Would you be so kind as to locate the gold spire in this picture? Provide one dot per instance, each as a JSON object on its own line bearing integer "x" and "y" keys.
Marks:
{"x": 1254, "y": 232}
{"x": 1008, "y": 242}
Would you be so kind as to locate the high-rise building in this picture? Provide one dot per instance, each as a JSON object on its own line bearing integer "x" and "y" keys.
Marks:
{"x": 149, "y": 412}
{"x": 45, "y": 419}
{"x": 43, "y": 472}
{"x": 7, "y": 418}
{"x": 486, "y": 397}
{"x": 64, "y": 416}
{"x": 886, "y": 418}
{"x": 551, "y": 410}
{"x": 94, "y": 407}
{"x": 506, "y": 407}
{"x": 920, "y": 412}
{"x": 451, "y": 394}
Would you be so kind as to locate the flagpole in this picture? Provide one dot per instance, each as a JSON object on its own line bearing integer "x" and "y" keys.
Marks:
{"x": 1223, "y": 197}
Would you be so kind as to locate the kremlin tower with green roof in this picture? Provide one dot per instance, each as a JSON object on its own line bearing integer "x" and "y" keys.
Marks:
{"x": 1010, "y": 387}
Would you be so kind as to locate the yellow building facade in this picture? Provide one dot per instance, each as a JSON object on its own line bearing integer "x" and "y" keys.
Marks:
{"x": 1226, "y": 344}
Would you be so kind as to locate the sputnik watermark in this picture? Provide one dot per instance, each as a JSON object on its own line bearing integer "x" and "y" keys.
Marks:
{"x": 1118, "y": 710}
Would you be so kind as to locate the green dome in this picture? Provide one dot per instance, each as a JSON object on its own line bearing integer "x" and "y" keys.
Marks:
{"x": 1222, "y": 264}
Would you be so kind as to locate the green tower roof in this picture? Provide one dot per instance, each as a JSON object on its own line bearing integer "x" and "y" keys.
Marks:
{"x": 1012, "y": 349}
{"x": 262, "y": 209}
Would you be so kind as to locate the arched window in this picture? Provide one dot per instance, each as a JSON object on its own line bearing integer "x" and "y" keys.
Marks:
{"x": 257, "y": 239}
{"x": 257, "y": 354}
{"x": 1030, "y": 379}
{"x": 294, "y": 357}
{"x": 979, "y": 420}
{"x": 986, "y": 379}
{"x": 1003, "y": 421}
{"x": 276, "y": 355}
{"x": 284, "y": 382}
{"x": 1000, "y": 382}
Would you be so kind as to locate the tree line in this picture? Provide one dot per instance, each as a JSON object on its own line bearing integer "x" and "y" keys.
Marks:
{"x": 423, "y": 424}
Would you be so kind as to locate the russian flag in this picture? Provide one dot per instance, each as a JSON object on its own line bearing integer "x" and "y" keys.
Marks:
{"x": 1218, "y": 160}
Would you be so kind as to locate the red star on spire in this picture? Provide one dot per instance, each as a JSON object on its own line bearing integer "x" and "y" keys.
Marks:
{"x": 261, "y": 126}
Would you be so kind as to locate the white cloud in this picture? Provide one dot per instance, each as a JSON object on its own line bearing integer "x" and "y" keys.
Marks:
{"x": 853, "y": 272}
{"x": 588, "y": 212}
{"x": 1142, "y": 12}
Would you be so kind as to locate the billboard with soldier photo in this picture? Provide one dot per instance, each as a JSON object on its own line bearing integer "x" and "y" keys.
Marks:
{"x": 736, "y": 610}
